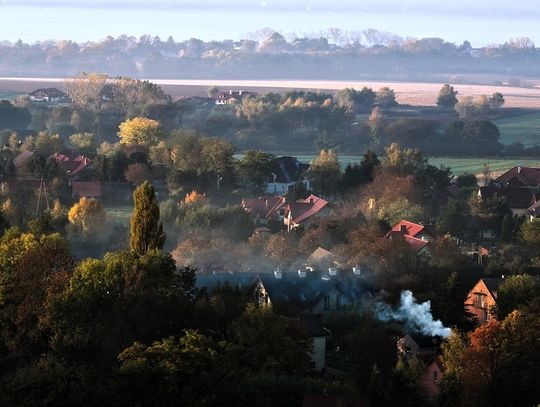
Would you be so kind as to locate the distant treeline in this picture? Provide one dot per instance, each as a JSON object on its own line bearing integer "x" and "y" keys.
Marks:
{"x": 372, "y": 55}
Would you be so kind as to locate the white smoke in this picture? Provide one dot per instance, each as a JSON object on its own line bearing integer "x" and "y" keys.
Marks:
{"x": 417, "y": 317}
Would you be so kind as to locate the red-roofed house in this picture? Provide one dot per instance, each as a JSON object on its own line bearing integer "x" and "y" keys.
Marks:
{"x": 304, "y": 211}
{"x": 413, "y": 233}
{"x": 264, "y": 208}
{"x": 518, "y": 200}
{"x": 431, "y": 378}
{"x": 72, "y": 166}
{"x": 88, "y": 189}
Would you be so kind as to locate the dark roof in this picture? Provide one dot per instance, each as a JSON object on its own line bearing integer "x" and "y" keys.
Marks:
{"x": 520, "y": 176}
{"x": 48, "y": 92}
{"x": 516, "y": 198}
{"x": 211, "y": 281}
{"x": 263, "y": 206}
{"x": 71, "y": 166}
{"x": 492, "y": 284}
{"x": 289, "y": 169}
{"x": 426, "y": 342}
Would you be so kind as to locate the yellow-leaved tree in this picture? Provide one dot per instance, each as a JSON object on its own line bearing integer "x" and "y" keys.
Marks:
{"x": 140, "y": 130}
{"x": 88, "y": 220}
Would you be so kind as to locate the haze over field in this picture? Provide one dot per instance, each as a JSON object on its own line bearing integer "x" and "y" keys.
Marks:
{"x": 479, "y": 22}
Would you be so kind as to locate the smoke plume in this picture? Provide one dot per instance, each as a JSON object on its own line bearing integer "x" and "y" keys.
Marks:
{"x": 417, "y": 317}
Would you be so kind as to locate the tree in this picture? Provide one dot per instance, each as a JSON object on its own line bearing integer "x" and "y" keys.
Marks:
{"x": 89, "y": 219}
{"x": 386, "y": 97}
{"x": 496, "y": 100}
{"x": 515, "y": 292}
{"x": 255, "y": 170}
{"x": 530, "y": 233}
{"x": 465, "y": 108}
{"x": 137, "y": 173}
{"x": 146, "y": 229}
{"x": 454, "y": 219}
{"x": 325, "y": 173}
{"x": 140, "y": 130}
{"x": 447, "y": 97}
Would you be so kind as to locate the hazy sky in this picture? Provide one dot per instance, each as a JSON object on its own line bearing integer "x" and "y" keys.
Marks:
{"x": 479, "y": 21}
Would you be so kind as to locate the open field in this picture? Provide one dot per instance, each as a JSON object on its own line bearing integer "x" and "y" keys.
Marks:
{"x": 414, "y": 93}
{"x": 457, "y": 165}
{"x": 524, "y": 129}
{"x": 119, "y": 214}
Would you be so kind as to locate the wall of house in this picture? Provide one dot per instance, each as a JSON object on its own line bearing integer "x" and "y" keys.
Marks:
{"x": 406, "y": 346}
{"x": 429, "y": 382}
{"x": 318, "y": 355}
{"x": 479, "y": 302}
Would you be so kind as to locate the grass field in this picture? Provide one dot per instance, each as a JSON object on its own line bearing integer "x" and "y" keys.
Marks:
{"x": 457, "y": 165}
{"x": 8, "y": 95}
{"x": 119, "y": 214}
{"x": 524, "y": 129}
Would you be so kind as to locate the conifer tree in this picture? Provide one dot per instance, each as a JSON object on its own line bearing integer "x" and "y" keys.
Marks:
{"x": 146, "y": 229}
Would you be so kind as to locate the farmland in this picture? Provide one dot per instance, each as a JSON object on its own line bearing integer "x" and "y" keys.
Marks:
{"x": 524, "y": 129}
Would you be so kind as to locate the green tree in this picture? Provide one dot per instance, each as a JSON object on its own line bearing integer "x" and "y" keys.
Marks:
{"x": 255, "y": 170}
{"x": 146, "y": 229}
{"x": 325, "y": 173}
{"x": 515, "y": 292}
{"x": 530, "y": 233}
{"x": 386, "y": 97}
{"x": 496, "y": 100}
{"x": 447, "y": 97}
{"x": 454, "y": 219}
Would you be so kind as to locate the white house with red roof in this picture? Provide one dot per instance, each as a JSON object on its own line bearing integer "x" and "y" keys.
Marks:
{"x": 413, "y": 233}
{"x": 303, "y": 212}
{"x": 264, "y": 208}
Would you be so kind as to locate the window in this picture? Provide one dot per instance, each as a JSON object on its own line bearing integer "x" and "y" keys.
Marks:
{"x": 326, "y": 302}
{"x": 434, "y": 375}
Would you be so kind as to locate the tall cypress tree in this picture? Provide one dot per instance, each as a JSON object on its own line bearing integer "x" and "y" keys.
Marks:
{"x": 146, "y": 229}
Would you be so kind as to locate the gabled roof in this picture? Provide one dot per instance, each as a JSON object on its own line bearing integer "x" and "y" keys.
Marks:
{"x": 520, "y": 176}
{"x": 71, "y": 166}
{"x": 304, "y": 209}
{"x": 48, "y": 92}
{"x": 492, "y": 285}
{"x": 289, "y": 170}
{"x": 21, "y": 158}
{"x": 263, "y": 206}
{"x": 415, "y": 243}
{"x": 408, "y": 228}
{"x": 423, "y": 341}
{"x": 321, "y": 254}
{"x": 215, "y": 280}
{"x": 88, "y": 189}
{"x": 516, "y": 198}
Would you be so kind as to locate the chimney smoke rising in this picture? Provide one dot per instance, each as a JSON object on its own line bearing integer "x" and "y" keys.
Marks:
{"x": 417, "y": 317}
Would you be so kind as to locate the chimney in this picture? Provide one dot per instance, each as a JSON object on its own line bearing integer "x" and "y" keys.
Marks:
{"x": 403, "y": 229}
{"x": 310, "y": 200}
{"x": 519, "y": 169}
{"x": 302, "y": 273}
{"x": 332, "y": 271}
{"x": 278, "y": 274}
{"x": 357, "y": 270}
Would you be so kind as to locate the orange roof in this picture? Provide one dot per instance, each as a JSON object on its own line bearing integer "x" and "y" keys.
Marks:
{"x": 416, "y": 244}
{"x": 71, "y": 166}
{"x": 408, "y": 228}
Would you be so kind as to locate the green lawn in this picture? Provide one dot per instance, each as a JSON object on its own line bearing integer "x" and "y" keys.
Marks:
{"x": 524, "y": 129}
{"x": 119, "y": 214}
{"x": 7, "y": 95}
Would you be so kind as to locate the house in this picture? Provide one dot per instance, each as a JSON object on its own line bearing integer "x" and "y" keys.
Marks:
{"x": 482, "y": 299}
{"x": 321, "y": 258}
{"x": 303, "y": 212}
{"x": 521, "y": 177}
{"x": 431, "y": 378}
{"x": 21, "y": 159}
{"x": 88, "y": 189}
{"x": 518, "y": 199}
{"x": 72, "y": 166}
{"x": 308, "y": 297}
{"x": 415, "y": 235}
{"x": 264, "y": 208}
{"x": 288, "y": 171}
{"x": 47, "y": 95}
{"x": 420, "y": 346}
{"x": 232, "y": 96}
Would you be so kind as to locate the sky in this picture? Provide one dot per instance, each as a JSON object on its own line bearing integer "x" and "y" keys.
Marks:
{"x": 481, "y": 22}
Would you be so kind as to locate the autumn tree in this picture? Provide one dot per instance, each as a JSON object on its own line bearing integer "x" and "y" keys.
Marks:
{"x": 385, "y": 97}
{"x": 146, "y": 229}
{"x": 447, "y": 97}
{"x": 140, "y": 130}
{"x": 137, "y": 173}
{"x": 88, "y": 219}
{"x": 86, "y": 91}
